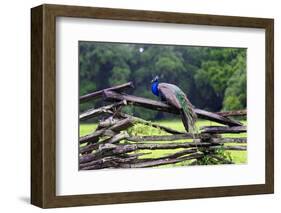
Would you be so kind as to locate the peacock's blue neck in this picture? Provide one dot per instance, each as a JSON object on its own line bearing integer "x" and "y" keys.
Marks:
{"x": 154, "y": 88}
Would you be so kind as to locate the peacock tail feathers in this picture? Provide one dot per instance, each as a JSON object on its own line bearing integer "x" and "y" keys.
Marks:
{"x": 175, "y": 97}
{"x": 188, "y": 111}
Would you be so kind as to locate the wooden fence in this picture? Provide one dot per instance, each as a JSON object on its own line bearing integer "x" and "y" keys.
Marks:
{"x": 111, "y": 146}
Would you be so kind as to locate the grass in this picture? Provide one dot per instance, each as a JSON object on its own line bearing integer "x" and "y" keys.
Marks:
{"x": 87, "y": 128}
{"x": 238, "y": 157}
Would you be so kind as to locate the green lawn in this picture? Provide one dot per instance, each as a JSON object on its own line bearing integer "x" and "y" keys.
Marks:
{"x": 239, "y": 157}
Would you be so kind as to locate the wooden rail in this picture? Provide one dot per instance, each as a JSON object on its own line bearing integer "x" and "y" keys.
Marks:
{"x": 159, "y": 106}
{"x": 99, "y": 93}
{"x": 233, "y": 113}
{"x": 112, "y": 145}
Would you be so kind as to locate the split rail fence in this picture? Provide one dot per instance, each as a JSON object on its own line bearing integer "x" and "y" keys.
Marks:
{"x": 111, "y": 146}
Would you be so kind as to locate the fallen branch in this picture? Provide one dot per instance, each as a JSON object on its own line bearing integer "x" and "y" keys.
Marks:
{"x": 99, "y": 93}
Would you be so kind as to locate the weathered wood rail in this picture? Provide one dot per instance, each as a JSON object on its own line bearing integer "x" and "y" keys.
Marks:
{"x": 111, "y": 146}
{"x": 99, "y": 93}
{"x": 233, "y": 113}
{"x": 159, "y": 106}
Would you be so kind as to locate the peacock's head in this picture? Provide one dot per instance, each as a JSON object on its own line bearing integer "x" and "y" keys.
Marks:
{"x": 155, "y": 79}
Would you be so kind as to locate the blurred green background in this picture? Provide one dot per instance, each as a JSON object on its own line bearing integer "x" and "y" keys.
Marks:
{"x": 214, "y": 78}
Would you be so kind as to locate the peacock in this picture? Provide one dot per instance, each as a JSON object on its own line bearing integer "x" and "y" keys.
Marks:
{"x": 174, "y": 96}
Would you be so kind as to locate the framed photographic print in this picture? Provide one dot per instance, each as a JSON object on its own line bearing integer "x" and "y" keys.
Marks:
{"x": 136, "y": 106}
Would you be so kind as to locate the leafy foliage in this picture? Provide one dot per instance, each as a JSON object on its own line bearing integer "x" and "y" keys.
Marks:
{"x": 213, "y": 78}
{"x": 216, "y": 157}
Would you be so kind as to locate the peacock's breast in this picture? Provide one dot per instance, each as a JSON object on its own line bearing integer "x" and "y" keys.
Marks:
{"x": 154, "y": 89}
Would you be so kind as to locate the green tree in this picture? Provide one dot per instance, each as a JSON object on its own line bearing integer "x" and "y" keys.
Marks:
{"x": 213, "y": 78}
